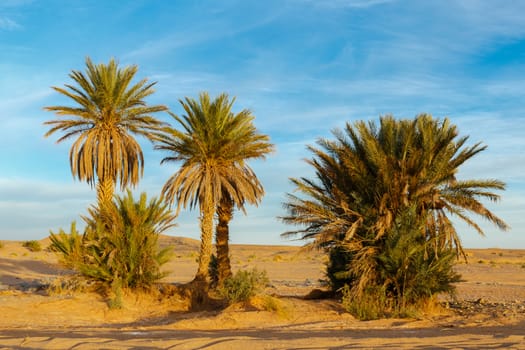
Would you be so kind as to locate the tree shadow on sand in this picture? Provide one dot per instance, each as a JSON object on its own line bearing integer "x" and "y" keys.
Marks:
{"x": 303, "y": 336}
{"x": 28, "y": 274}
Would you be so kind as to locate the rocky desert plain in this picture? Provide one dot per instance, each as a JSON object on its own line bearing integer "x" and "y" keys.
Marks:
{"x": 488, "y": 311}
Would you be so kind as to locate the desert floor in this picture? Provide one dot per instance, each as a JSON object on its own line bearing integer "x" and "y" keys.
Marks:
{"x": 489, "y": 311}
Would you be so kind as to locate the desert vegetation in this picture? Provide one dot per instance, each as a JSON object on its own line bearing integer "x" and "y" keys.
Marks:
{"x": 213, "y": 147}
{"x": 119, "y": 247}
{"x": 379, "y": 206}
{"x": 109, "y": 109}
{"x": 32, "y": 245}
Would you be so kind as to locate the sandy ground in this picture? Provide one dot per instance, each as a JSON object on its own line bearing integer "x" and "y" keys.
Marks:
{"x": 489, "y": 312}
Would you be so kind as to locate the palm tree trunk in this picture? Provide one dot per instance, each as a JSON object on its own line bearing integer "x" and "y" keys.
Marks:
{"x": 105, "y": 191}
{"x": 224, "y": 214}
{"x": 207, "y": 212}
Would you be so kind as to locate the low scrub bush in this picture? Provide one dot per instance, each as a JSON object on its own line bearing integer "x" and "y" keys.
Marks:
{"x": 371, "y": 304}
{"x": 33, "y": 246}
{"x": 276, "y": 306}
{"x": 69, "y": 246}
{"x": 70, "y": 284}
{"x": 243, "y": 285}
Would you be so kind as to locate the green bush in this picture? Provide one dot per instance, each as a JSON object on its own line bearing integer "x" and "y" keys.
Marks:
{"x": 33, "y": 246}
{"x": 371, "y": 304}
{"x": 243, "y": 285}
{"x": 411, "y": 268}
{"x": 406, "y": 271}
{"x": 381, "y": 205}
{"x": 120, "y": 246}
{"x": 69, "y": 245}
{"x": 337, "y": 273}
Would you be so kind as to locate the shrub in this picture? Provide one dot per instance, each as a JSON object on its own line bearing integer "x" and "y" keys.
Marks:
{"x": 381, "y": 204}
{"x": 68, "y": 284}
{"x": 404, "y": 273}
{"x": 371, "y": 304}
{"x": 337, "y": 273}
{"x": 243, "y": 285}
{"x": 33, "y": 246}
{"x": 275, "y": 305}
{"x": 69, "y": 245}
{"x": 412, "y": 269}
{"x": 119, "y": 247}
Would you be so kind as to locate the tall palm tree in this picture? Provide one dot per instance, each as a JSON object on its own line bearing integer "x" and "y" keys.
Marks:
{"x": 109, "y": 109}
{"x": 250, "y": 190}
{"x": 212, "y": 147}
{"x": 369, "y": 175}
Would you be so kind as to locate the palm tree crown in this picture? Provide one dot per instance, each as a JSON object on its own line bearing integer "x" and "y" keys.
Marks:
{"x": 109, "y": 109}
{"x": 213, "y": 146}
{"x": 369, "y": 174}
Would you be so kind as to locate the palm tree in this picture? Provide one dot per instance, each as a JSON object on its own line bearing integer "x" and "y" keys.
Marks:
{"x": 109, "y": 110}
{"x": 370, "y": 175}
{"x": 248, "y": 189}
{"x": 251, "y": 145}
{"x": 212, "y": 147}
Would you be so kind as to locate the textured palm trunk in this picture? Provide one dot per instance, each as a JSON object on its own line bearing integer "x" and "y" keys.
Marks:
{"x": 208, "y": 210}
{"x": 225, "y": 214}
{"x": 105, "y": 191}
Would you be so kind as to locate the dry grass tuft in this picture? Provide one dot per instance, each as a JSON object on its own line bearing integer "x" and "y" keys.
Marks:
{"x": 33, "y": 246}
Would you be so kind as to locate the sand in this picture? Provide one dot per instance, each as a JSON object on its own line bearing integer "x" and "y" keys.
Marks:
{"x": 489, "y": 311}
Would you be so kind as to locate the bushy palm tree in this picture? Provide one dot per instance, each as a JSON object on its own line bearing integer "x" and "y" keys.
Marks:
{"x": 213, "y": 146}
{"x": 109, "y": 109}
{"x": 121, "y": 244}
{"x": 369, "y": 175}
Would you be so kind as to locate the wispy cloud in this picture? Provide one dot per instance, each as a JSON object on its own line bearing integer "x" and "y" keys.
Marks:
{"x": 28, "y": 98}
{"x": 163, "y": 45}
{"x": 40, "y": 206}
{"x": 14, "y": 3}
{"x": 212, "y": 27}
{"x": 303, "y": 67}
{"x": 359, "y": 4}
{"x": 494, "y": 18}
{"x": 179, "y": 83}
{"x": 8, "y": 24}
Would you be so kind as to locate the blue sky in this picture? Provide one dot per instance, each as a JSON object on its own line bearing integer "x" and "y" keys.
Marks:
{"x": 303, "y": 67}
